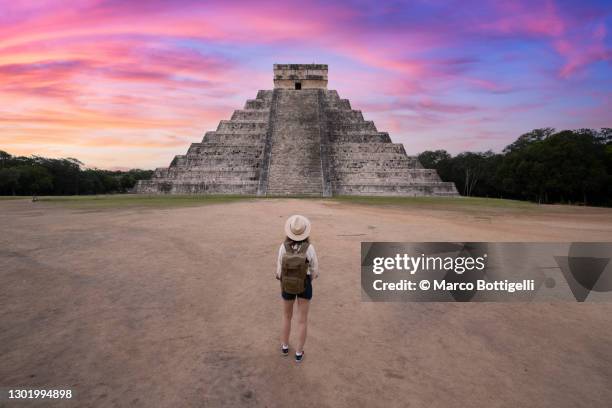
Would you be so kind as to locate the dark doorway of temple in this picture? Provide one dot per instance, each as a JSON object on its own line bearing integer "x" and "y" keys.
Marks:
{"x": 298, "y": 85}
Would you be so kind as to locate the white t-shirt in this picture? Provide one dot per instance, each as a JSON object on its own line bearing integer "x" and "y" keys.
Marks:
{"x": 311, "y": 256}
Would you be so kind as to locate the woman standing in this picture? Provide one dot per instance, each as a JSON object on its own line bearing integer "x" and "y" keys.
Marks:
{"x": 296, "y": 266}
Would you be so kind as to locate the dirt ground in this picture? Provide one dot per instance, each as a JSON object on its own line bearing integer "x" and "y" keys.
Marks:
{"x": 178, "y": 307}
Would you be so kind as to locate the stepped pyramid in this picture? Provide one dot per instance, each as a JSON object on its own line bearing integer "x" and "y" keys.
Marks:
{"x": 298, "y": 139}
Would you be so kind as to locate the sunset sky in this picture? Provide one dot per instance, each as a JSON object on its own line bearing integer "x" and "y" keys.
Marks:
{"x": 120, "y": 84}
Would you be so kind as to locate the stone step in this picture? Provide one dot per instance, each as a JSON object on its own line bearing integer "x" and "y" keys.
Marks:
{"x": 296, "y": 173}
{"x": 235, "y": 150}
{"x": 341, "y": 104}
{"x": 238, "y": 182}
{"x": 257, "y": 104}
{"x": 265, "y": 95}
{"x": 285, "y": 172}
{"x": 287, "y": 141}
{"x": 387, "y": 172}
{"x": 172, "y": 186}
{"x": 202, "y": 148}
{"x": 352, "y": 137}
{"x": 297, "y": 183}
{"x": 441, "y": 188}
{"x": 387, "y": 180}
{"x": 195, "y": 172}
{"x": 234, "y": 168}
{"x": 251, "y": 115}
{"x": 242, "y": 126}
{"x": 368, "y": 158}
{"x": 339, "y": 149}
{"x": 234, "y": 138}
{"x": 330, "y": 94}
{"x": 253, "y": 164}
{"x": 305, "y": 186}
{"x": 219, "y": 159}
{"x": 373, "y": 165}
{"x": 215, "y": 180}
{"x": 364, "y": 127}
{"x": 211, "y": 176}
{"x": 341, "y": 115}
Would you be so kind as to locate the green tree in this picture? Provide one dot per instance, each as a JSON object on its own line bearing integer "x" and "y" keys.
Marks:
{"x": 9, "y": 180}
{"x": 431, "y": 159}
{"x": 4, "y": 159}
{"x": 34, "y": 180}
{"x": 529, "y": 138}
{"x": 111, "y": 183}
{"x": 568, "y": 166}
{"x": 127, "y": 182}
{"x": 542, "y": 165}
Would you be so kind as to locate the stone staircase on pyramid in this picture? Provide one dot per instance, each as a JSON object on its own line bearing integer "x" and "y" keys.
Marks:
{"x": 298, "y": 139}
{"x": 295, "y": 160}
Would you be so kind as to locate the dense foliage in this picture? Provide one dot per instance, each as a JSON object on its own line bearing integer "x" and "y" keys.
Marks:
{"x": 39, "y": 175}
{"x": 545, "y": 166}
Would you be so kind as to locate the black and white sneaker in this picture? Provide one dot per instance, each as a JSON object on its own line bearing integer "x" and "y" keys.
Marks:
{"x": 299, "y": 357}
{"x": 284, "y": 350}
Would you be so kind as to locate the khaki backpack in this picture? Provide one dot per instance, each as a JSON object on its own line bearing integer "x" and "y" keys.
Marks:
{"x": 294, "y": 268}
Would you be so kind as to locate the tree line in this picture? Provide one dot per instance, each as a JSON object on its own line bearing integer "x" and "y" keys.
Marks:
{"x": 36, "y": 175}
{"x": 544, "y": 166}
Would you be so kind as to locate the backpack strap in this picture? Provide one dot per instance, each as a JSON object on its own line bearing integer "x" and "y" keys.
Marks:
{"x": 301, "y": 250}
{"x": 304, "y": 247}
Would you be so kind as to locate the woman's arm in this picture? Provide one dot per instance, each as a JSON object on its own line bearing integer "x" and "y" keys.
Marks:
{"x": 279, "y": 260}
{"x": 313, "y": 262}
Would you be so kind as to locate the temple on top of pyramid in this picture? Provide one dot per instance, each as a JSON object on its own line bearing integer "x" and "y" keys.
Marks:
{"x": 298, "y": 139}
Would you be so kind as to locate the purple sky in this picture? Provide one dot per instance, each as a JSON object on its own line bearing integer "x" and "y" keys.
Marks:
{"x": 122, "y": 84}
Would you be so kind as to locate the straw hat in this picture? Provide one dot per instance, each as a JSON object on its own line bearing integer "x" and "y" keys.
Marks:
{"x": 297, "y": 227}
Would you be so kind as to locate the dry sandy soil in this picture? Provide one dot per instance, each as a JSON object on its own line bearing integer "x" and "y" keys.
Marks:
{"x": 178, "y": 307}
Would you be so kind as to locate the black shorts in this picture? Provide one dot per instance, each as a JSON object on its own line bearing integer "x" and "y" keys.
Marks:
{"x": 306, "y": 294}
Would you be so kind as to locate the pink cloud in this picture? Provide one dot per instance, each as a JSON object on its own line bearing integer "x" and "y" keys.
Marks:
{"x": 580, "y": 52}
{"x": 569, "y": 36}
{"x": 527, "y": 18}
{"x": 488, "y": 85}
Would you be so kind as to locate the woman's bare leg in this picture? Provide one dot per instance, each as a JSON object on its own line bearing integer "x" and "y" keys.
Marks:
{"x": 303, "y": 305}
{"x": 287, "y": 315}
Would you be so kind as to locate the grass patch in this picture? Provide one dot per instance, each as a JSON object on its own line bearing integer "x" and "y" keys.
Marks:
{"x": 442, "y": 203}
{"x": 140, "y": 200}
{"x": 8, "y": 198}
